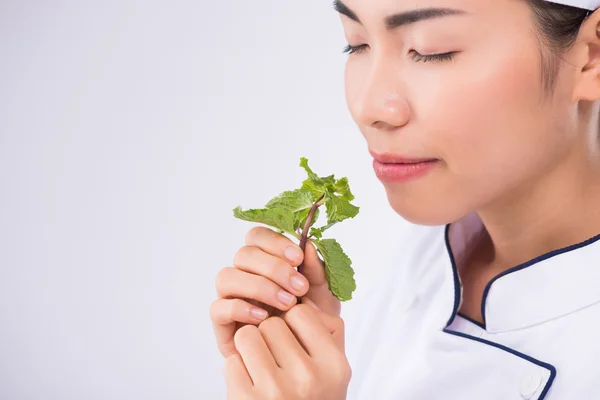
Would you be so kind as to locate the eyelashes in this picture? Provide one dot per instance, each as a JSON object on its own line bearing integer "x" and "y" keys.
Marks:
{"x": 354, "y": 49}
{"x": 413, "y": 54}
{"x": 431, "y": 57}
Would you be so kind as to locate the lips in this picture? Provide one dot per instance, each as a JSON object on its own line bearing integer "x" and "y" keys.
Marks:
{"x": 390, "y": 158}
{"x": 401, "y": 172}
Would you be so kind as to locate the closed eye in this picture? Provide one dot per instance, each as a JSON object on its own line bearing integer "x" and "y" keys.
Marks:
{"x": 432, "y": 57}
{"x": 354, "y": 49}
{"x": 416, "y": 56}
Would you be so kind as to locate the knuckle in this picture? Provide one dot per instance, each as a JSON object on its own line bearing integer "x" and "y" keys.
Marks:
{"x": 306, "y": 381}
{"x": 342, "y": 371}
{"x": 245, "y": 335}
{"x": 295, "y": 314}
{"x": 222, "y": 276}
{"x": 299, "y": 311}
{"x": 348, "y": 373}
{"x": 273, "y": 392}
{"x": 253, "y": 234}
{"x": 270, "y": 324}
{"x": 240, "y": 256}
{"x": 213, "y": 310}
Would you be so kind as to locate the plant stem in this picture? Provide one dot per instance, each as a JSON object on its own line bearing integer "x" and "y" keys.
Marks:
{"x": 304, "y": 237}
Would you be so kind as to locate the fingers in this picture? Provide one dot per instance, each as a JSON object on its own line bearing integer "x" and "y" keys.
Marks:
{"x": 226, "y": 311}
{"x": 232, "y": 282}
{"x": 256, "y": 355}
{"x": 319, "y": 292}
{"x": 226, "y": 315}
{"x": 236, "y": 375}
{"x": 275, "y": 244}
{"x": 306, "y": 300}
{"x": 255, "y": 261}
{"x": 334, "y": 324}
{"x": 282, "y": 343}
{"x": 264, "y": 279}
{"x": 313, "y": 268}
{"x": 317, "y": 331}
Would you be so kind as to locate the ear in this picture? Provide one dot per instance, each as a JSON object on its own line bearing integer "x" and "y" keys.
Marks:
{"x": 587, "y": 85}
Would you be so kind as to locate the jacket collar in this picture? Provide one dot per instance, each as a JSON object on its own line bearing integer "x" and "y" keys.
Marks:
{"x": 549, "y": 286}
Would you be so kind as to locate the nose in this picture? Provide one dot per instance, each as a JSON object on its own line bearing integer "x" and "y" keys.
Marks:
{"x": 380, "y": 103}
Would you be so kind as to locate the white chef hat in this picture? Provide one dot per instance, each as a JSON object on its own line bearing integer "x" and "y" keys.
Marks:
{"x": 585, "y": 4}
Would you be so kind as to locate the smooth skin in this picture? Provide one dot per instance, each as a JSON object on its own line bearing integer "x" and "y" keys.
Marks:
{"x": 299, "y": 351}
{"x": 527, "y": 164}
{"x": 261, "y": 273}
{"x": 298, "y": 356}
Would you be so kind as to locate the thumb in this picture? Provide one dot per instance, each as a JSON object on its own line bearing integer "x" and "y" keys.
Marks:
{"x": 312, "y": 266}
{"x": 318, "y": 287}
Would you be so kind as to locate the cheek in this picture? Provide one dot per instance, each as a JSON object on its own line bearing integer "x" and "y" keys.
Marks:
{"x": 482, "y": 115}
{"x": 489, "y": 114}
{"x": 485, "y": 120}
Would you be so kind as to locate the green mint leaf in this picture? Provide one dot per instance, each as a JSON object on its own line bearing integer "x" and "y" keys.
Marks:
{"x": 316, "y": 233}
{"x": 298, "y": 201}
{"x": 316, "y": 189}
{"x": 288, "y": 213}
{"x": 319, "y": 181}
{"x": 338, "y": 270}
{"x": 279, "y": 218}
{"x": 293, "y": 200}
{"x": 343, "y": 189}
{"x": 338, "y": 209}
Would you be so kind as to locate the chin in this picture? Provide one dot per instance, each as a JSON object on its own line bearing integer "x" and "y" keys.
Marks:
{"x": 422, "y": 212}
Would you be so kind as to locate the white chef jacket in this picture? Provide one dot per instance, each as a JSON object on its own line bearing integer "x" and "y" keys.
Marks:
{"x": 539, "y": 341}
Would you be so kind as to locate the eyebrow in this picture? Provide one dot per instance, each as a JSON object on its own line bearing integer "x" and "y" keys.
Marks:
{"x": 403, "y": 18}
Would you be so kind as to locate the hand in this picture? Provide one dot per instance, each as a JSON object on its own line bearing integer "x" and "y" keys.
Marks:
{"x": 261, "y": 270}
{"x": 298, "y": 356}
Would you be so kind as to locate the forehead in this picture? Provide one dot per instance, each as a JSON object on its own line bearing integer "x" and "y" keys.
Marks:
{"x": 390, "y": 18}
{"x": 375, "y": 11}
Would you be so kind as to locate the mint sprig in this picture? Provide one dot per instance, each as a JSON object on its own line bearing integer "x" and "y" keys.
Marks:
{"x": 296, "y": 211}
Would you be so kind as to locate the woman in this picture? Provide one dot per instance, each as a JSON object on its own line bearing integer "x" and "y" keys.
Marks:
{"x": 497, "y": 295}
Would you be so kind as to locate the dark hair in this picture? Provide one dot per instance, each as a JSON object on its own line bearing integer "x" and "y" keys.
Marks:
{"x": 557, "y": 28}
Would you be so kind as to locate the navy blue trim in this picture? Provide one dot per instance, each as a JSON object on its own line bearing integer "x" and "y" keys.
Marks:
{"x": 542, "y": 364}
{"x": 531, "y": 262}
{"x": 479, "y": 324}
{"x": 457, "y": 284}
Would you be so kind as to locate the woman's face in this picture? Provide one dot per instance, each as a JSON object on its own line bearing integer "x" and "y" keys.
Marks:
{"x": 482, "y": 113}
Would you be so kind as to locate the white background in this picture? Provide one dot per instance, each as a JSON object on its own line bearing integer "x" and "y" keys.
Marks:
{"x": 129, "y": 130}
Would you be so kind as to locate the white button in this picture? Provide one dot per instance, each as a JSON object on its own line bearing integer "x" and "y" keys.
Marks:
{"x": 530, "y": 385}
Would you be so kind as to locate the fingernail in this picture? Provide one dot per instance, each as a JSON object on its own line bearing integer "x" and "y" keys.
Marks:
{"x": 292, "y": 253}
{"x": 285, "y": 297}
{"x": 258, "y": 313}
{"x": 297, "y": 282}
